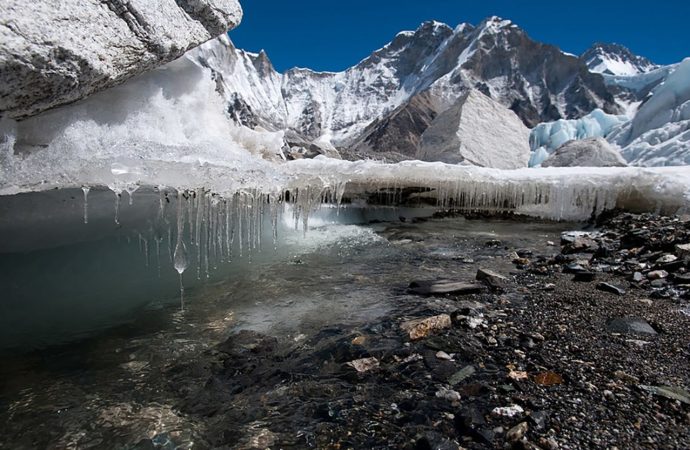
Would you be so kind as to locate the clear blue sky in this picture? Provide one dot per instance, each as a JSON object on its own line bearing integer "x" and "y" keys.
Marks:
{"x": 333, "y": 35}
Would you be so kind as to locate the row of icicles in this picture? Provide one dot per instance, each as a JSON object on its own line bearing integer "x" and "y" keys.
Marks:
{"x": 210, "y": 225}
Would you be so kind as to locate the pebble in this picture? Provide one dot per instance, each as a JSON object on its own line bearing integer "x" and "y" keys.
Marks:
{"x": 443, "y": 355}
{"x": 608, "y": 287}
{"x": 517, "y": 432}
{"x": 364, "y": 364}
{"x": 507, "y": 411}
{"x": 448, "y": 394}
{"x": 657, "y": 274}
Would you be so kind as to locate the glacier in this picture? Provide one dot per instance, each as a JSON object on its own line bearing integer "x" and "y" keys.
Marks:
{"x": 545, "y": 138}
{"x": 659, "y": 134}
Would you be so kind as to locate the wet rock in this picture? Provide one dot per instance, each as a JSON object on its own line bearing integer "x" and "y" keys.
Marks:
{"x": 517, "y": 432}
{"x": 435, "y": 441}
{"x": 364, "y": 364}
{"x": 448, "y": 394}
{"x": 581, "y": 244}
{"x": 420, "y": 328}
{"x": 626, "y": 325}
{"x": 683, "y": 250}
{"x": 443, "y": 287}
{"x": 461, "y": 375}
{"x": 584, "y": 276}
{"x": 538, "y": 419}
{"x": 248, "y": 341}
{"x": 657, "y": 274}
{"x": 493, "y": 243}
{"x": 470, "y": 422}
{"x": 548, "y": 443}
{"x": 667, "y": 258}
{"x": 608, "y": 287}
{"x": 443, "y": 356}
{"x": 638, "y": 277}
{"x": 660, "y": 283}
{"x": 492, "y": 279}
{"x": 574, "y": 268}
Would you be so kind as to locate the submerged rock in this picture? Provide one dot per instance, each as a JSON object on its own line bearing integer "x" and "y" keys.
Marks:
{"x": 53, "y": 53}
{"x": 442, "y": 287}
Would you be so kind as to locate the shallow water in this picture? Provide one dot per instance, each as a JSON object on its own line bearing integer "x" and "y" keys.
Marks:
{"x": 105, "y": 387}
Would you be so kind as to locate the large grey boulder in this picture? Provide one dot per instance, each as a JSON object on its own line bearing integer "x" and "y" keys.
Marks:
{"x": 591, "y": 152}
{"x": 479, "y": 131}
{"x": 57, "y": 52}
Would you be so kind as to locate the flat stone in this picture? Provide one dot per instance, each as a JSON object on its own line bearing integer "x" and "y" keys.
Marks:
{"x": 443, "y": 287}
{"x": 608, "y": 287}
{"x": 420, "y": 328}
{"x": 461, "y": 375}
{"x": 683, "y": 250}
{"x": 492, "y": 279}
{"x": 670, "y": 392}
{"x": 626, "y": 325}
{"x": 364, "y": 364}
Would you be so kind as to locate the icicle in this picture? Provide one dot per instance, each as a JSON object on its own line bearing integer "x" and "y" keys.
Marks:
{"x": 158, "y": 254}
{"x": 86, "y": 190}
{"x": 146, "y": 250}
{"x": 180, "y": 258}
{"x": 131, "y": 189}
{"x": 162, "y": 200}
{"x": 240, "y": 208}
{"x": 118, "y": 195}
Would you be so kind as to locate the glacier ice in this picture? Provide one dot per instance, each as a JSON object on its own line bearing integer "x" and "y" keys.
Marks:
{"x": 547, "y": 137}
{"x": 659, "y": 134}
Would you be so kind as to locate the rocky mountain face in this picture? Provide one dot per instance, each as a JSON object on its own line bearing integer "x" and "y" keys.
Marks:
{"x": 477, "y": 131}
{"x": 53, "y": 53}
{"x": 615, "y": 59}
{"x": 382, "y": 106}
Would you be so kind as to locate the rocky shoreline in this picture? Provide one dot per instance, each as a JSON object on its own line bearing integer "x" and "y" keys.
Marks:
{"x": 586, "y": 347}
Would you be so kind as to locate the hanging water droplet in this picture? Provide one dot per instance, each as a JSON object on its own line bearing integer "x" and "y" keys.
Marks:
{"x": 86, "y": 190}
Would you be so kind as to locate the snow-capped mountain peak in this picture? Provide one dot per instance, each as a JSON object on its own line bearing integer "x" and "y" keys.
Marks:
{"x": 615, "y": 59}
{"x": 400, "y": 88}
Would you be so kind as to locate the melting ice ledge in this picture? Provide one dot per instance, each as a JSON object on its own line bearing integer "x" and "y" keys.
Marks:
{"x": 554, "y": 193}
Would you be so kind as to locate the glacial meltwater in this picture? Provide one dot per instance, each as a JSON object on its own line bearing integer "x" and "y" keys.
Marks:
{"x": 92, "y": 323}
